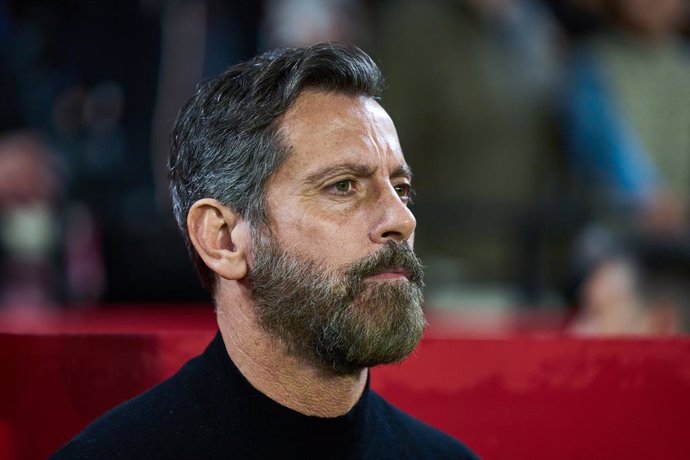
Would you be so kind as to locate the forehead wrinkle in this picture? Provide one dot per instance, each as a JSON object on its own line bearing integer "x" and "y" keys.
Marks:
{"x": 380, "y": 144}
{"x": 359, "y": 126}
{"x": 381, "y": 137}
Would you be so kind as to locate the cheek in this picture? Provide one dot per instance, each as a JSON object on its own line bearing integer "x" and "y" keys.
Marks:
{"x": 331, "y": 237}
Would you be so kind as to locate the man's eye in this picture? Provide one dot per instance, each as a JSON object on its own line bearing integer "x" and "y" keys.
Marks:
{"x": 404, "y": 191}
{"x": 343, "y": 186}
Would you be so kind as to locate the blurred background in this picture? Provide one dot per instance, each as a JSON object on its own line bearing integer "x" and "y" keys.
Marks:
{"x": 550, "y": 142}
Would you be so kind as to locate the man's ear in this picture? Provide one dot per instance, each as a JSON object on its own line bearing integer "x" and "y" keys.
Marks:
{"x": 220, "y": 237}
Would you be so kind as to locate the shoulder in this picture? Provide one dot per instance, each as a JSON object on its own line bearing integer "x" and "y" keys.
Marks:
{"x": 416, "y": 438}
{"x": 155, "y": 424}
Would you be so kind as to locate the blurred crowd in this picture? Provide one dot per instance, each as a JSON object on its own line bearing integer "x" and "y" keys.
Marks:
{"x": 550, "y": 142}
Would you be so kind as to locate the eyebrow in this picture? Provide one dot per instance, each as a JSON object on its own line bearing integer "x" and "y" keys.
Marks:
{"x": 403, "y": 171}
{"x": 356, "y": 169}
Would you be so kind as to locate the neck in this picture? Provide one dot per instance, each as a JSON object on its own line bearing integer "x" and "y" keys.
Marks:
{"x": 266, "y": 364}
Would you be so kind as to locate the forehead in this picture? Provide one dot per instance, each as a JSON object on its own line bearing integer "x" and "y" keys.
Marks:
{"x": 323, "y": 127}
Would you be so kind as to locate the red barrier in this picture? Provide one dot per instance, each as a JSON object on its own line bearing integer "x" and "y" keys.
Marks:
{"x": 506, "y": 398}
{"x": 551, "y": 398}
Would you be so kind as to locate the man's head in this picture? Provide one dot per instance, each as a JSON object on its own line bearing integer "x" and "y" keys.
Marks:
{"x": 226, "y": 141}
{"x": 288, "y": 179}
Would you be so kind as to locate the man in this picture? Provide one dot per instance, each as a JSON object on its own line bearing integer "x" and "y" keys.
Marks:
{"x": 291, "y": 190}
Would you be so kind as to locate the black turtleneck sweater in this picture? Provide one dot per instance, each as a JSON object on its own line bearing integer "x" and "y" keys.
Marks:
{"x": 209, "y": 410}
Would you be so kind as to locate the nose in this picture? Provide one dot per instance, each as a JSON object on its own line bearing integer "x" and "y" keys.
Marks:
{"x": 394, "y": 220}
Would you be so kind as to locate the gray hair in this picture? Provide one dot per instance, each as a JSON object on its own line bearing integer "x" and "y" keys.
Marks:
{"x": 226, "y": 144}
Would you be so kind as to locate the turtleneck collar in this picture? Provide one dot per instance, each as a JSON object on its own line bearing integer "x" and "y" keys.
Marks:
{"x": 235, "y": 399}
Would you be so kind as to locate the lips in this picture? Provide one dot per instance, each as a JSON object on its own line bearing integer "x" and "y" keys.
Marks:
{"x": 394, "y": 262}
{"x": 397, "y": 273}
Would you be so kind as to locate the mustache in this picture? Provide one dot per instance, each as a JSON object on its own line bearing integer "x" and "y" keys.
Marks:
{"x": 393, "y": 256}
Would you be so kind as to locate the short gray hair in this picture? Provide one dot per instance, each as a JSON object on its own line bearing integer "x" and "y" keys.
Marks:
{"x": 225, "y": 143}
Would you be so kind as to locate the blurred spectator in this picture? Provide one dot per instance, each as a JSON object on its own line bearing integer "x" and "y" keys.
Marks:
{"x": 48, "y": 249}
{"x": 198, "y": 39}
{"x": 87, "y": 132}
{"x": 470, "y": 87}
{"x": 105, "y": 144}
{"x": 638, "y": 288}
{"x": 99, "y": 79}
{"x": 293, "y": 23}
{"x": 628, "y": 116}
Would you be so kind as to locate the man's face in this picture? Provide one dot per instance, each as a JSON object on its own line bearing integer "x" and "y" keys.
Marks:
{"x": 343, "y": 191}
{"x": 335, "y": 278}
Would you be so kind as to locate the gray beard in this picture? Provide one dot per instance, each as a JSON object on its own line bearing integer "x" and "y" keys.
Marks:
{"x": 337, "y": 320}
